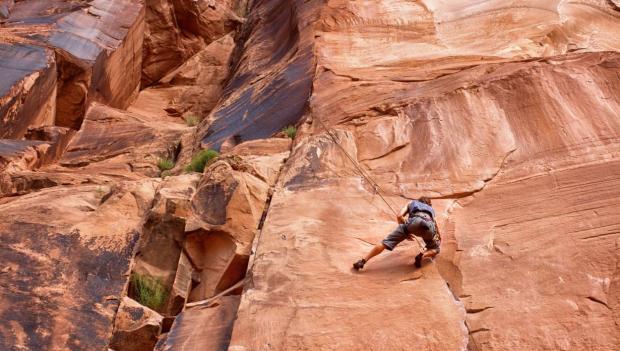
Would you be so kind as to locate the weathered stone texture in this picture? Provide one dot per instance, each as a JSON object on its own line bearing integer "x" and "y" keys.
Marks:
{"x": 97, "y": 47}
{"x": 272, "y": 78}
{"x": 515, "y": 132}
{"x": 65, "y": 251}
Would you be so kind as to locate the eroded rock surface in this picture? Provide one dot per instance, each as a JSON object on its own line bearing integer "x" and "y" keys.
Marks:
{"x": 129, "y": 143}
{"x": 505, "y": 113}
{"x": 97, "y": 46}
{"x": 27, "y": 88}
{"x": 273, "y": 76}
{"x": 178, "y": 29}
{"x": 65, "y": 251}
{"x": 136, "y": 327}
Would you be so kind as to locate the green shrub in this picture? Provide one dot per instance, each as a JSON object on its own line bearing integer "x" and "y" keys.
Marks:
{"x": 149, "y": 291}
{"x": 290, "y": 131}
{"x": 165, "y": 174}
{"x": 192, "y": 120}
{"x": 165, "y": 164}
{"x": 200, "y": 160}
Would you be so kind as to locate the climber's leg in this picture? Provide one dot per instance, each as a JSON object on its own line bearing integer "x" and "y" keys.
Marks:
{"x": 390, "y": 242}
{"x": 377, "y": 249}
{"x": 432, "y": 250}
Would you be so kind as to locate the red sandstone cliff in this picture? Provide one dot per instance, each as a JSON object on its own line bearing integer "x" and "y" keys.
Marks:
{"x": 503, "y": 112}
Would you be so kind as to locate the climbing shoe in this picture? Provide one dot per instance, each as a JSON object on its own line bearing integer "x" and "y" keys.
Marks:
{"x": 359, "y": 264}
{"x": 418, "y": 260}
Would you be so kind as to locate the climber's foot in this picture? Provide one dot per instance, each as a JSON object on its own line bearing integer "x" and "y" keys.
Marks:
{"x": 359, "y": 264}
{"x": 418, "y": 260}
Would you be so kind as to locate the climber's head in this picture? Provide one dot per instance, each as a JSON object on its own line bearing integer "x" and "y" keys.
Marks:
{"x": 425, "y": 200}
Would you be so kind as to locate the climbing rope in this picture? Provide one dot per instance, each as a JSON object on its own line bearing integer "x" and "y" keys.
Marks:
{"x": 376, "y": 187}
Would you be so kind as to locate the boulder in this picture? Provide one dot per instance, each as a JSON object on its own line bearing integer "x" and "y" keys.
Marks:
{"x": 159, "y": 254}
{"x": 266, "y": 157}
{"x": 96, "y": 46}
{"x": 228, "y": 206}
{"x": 215, "y": 323}
{"x": 136, "y": 327}
{"x": 27, "y": 88}
{"x": 230, "y": 201}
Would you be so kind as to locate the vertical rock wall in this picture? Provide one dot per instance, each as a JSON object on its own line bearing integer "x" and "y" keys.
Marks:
{"x": 513, "y": 134}
{"x": 503, "y": 112}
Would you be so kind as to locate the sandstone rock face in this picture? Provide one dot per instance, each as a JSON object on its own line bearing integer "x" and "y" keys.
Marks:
{"x": 504, "y": 112}
{"x": 292, "y": 307}
{"x": 115, "y": 139}
{"x": 83, "y": 209}
{"x": 213, "y": 334}
{"x": 64, "y": 252}
{"x": 278, "y": 62}
{"x": 201, "y": 79}
{"x": 229, "y": 203}
{"x": 97, "y": 47}
{"x": 159, "y": 253}
{"x": 136, "y": 327}
{"x": 27, "y": 89}
{"x": 514, "y": 134}
{"x": 178, "y": 29}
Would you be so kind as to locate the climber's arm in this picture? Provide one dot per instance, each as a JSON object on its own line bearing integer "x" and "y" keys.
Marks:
{"x": 400, "y": 218}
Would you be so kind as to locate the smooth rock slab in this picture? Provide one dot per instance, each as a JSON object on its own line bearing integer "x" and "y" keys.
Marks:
{"x": 303, "y": 294}
{"x": 128, "y": 143}
{"x": 542, "y": 249}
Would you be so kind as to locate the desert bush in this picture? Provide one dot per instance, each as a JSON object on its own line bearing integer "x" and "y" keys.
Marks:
{"x": 290, "y": 131}
{"x": 200, "y": 160}
{"x": 149, "y": 291}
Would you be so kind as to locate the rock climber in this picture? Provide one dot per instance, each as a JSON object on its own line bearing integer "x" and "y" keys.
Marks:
{"x": 420, "y": 222}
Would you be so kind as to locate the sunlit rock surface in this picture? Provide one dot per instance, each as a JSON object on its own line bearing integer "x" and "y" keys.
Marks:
{"x": 178, "y": 29}
{"x": 508, "y": 114}
{"x": 504, "y": 112}
{"x": 27, "y": 88}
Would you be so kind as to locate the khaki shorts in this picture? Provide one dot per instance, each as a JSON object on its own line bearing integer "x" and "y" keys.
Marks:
{"x": 417, "y": 226}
